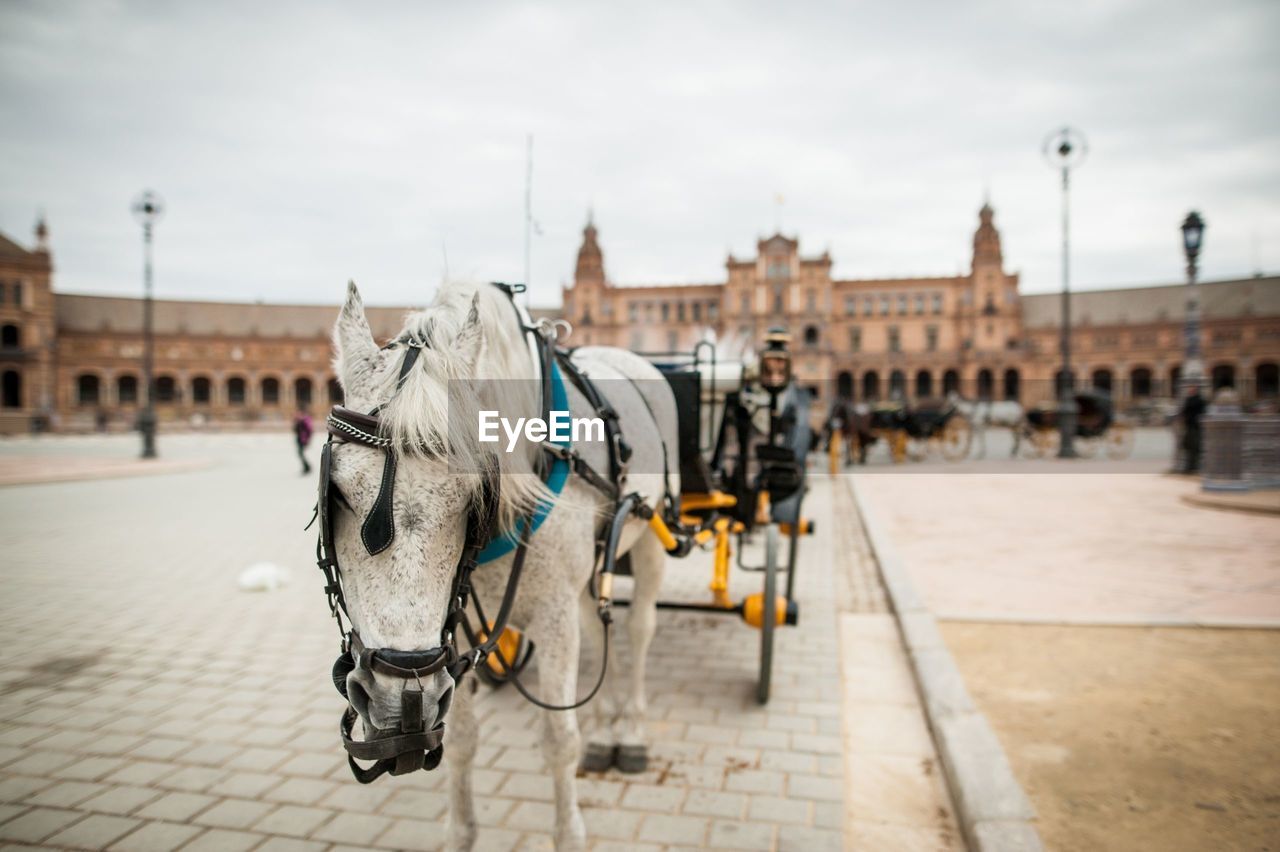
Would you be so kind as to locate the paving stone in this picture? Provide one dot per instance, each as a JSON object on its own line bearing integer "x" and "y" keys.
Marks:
{"x": 65, "y": 794}
{"x": 649, "y": 798}
{"x": 120, "y": 800}
{"x": 778, "y": 809}
{"x": 741, "y": 835}
{"x": 18, "y": 787}
{"x": 223, "y": 840}
{"x": 37, "y": 824}
{"x": 797, "y": 838}
{"x": 664, "y": 828}
{"x": 293, "y": 820}
{"x": 714, "y": 804}
{"x": 293, "y": 844}
{"x": 301, "y": 791}
{"x": 156, "y": 837}
{"x": 96, "y": 831}
{"x": 234, "y": 813}
{"x": 413, "y": 835}
{"x": 178, "y": 807}
{"x": 611, "y": 823}
{"x": 356, "y": 829}
{"x": 246, "y": 785}
{"x": 755, "y": 781}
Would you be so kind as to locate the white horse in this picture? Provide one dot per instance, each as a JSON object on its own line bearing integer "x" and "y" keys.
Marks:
{"x": 398, "y": 598}
{"x": 1004, "y": 414}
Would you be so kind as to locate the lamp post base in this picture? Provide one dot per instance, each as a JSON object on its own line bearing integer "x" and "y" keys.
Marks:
{"x": 1067, "y": 430}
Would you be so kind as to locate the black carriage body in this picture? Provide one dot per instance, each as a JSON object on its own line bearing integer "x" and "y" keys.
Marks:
{"x": 1095, "y": 415}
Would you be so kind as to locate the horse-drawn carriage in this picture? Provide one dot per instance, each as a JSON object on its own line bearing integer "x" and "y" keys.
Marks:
{"x": 1097, "y": 428}
{"x": 742, "y": 444}
{"x": 911, "y": 431}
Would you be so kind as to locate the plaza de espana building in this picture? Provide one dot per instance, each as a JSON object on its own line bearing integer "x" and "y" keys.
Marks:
{"x": 73, "y": 362}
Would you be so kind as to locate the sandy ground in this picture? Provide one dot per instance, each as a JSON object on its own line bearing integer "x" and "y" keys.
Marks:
{"x": 1134, "y": 738}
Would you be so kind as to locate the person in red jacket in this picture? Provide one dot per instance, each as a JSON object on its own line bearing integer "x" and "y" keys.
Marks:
{"x": 302, "y": 429}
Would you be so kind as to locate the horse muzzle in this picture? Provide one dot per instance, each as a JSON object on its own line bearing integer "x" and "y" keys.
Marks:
{"x": 410, "y": 746}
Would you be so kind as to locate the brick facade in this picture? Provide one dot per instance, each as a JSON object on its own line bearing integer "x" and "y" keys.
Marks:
{"x": 72, "y": 362}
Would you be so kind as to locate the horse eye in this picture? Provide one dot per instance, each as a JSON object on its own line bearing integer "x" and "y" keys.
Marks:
{"x": 340, "y": 498}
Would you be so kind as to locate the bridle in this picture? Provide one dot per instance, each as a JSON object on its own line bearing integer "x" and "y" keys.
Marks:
{"x": 413, "y": 747}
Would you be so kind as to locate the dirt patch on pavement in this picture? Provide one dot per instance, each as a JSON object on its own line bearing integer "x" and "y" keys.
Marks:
{"x": 1133, "y": 737}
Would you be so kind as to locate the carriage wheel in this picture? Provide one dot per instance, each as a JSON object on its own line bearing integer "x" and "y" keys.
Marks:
{"x": 1119, "y": 441}
{"x": 1040, "y": 443}
{"x": 770, "y": 620}
{"x": 957, "y": 439}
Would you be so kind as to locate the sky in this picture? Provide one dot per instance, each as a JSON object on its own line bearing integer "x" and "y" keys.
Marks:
{"x": 298, "y": 145}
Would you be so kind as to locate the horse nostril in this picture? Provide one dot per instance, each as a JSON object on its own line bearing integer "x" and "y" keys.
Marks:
{"x": 358, "y": 697}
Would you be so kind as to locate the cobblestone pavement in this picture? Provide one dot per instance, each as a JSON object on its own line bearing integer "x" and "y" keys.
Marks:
{"x": 1120, "y": 548}
{"x": 146, "y": 703}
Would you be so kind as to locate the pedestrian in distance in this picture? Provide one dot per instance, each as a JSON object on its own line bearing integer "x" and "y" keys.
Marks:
{"x": 1193, "y": 408}
{"x": 302, "y": 429}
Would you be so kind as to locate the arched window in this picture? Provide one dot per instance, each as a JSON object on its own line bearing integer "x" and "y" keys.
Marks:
{"x": 235, "y": 391}
{"x": 335, "y": 392}
{"x": 1267, "y": 381}
{"x": 870, "y": 385}
{"x": 844, "y": 385}
{"x": 1175, "y": 376}
{"x": 1223, "y": 376}
{"x": 302, "y": 391}
{"x": 950, "y": 382}
{"x": 201, "y": 390}
{"x": 166, "y": 389}
{"x": 811, "y": 335}
{"x": 924, "y": 384}
{"x": 897, "y": 384}
{"x": 1012, "y": 380}
{"x": 10, "y": 337}
{"x": 1101, "y": 380}
{"x": 1140, "y": 383}
{"x": 88, "y": 389}
{"x": 986, "y": 384}
{"x": 127, "y": 390}
{"x": 12, "y": 386}
{"x": 270, "y": 391}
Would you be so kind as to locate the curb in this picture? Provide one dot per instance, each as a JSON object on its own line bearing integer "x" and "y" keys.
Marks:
{"x": 994, "y": 812}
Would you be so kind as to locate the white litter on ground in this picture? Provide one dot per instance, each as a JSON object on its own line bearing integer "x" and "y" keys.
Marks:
{"x": 263, "y": 577}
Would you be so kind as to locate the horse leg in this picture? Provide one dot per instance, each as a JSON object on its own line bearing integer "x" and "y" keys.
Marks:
{"x": 600, "y": 711}
{"x": 648, "y": 563}
{"x": 461, "y": 752}
{"x": 558, "y": 643}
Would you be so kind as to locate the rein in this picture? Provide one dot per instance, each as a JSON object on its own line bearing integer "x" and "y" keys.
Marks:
{"x": 412, "y": 747}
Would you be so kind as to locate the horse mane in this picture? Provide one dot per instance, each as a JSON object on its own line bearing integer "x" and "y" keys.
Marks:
{"x": 461, "y": 370}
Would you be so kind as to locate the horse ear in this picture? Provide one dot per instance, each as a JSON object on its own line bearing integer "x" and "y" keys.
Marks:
{"x": 357, "y": 358}
{"x": 467, "y": 344}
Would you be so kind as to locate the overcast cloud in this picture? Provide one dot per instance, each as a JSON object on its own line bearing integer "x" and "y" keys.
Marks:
{"x": 300, "y": 144}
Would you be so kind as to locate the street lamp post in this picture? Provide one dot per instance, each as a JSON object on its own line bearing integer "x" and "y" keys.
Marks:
{"x": 1192, "y": 374}
{"x": 1066, "y": 149}
{"x": 147, "y": 209}
{"x": 1193, "y": 365}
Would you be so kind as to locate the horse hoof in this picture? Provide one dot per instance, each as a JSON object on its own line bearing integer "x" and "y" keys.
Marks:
{"x": 598, "y": 757}
{"x": 632, "y": 759}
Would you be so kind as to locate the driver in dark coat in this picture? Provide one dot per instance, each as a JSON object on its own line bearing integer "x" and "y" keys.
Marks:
{"x": 1193, "y": 408}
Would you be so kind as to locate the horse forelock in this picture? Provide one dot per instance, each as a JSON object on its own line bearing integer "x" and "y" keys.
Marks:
{"x": 436, "y": 408}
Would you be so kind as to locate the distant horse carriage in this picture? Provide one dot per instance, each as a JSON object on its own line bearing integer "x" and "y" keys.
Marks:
{"x": 1097, "y": 428}
{"x": 911, "y": 431}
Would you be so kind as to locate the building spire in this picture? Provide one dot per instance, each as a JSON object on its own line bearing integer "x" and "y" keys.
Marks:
{"x": 986, "y": 240}
{"x": 590, "y": 268}
{"x": 42, "y": 233}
